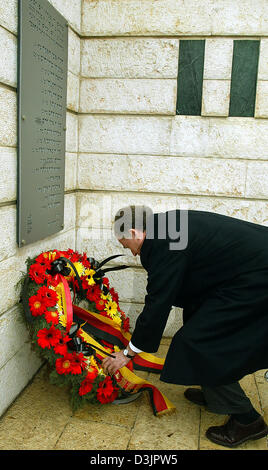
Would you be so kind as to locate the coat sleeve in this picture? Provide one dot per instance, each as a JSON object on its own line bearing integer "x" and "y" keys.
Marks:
{"x": 165, "y": 277}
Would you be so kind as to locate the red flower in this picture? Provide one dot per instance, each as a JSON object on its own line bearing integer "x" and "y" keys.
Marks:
{"x": 106, "y": 391}
{"x": 48, "y": 337}
{"x": 52, "y": 316}
{"x": 36, "y": 305}
{"x": 105, "y": 281}
{"x": 85, "y": 387}
{"x": 64, "y": 364}
{"x": 78, "y": 363}
{"x": 100, "y": 304}
{"x": 44, "y": 260}
{"x": 49, "y": 296}
{"x": 114, "y": 295}
{"x": 93, "y": 292}
{"x": 126, "y": 324}
{"x": 37, "y": 273}
{"x": 61, "y": 347}
{"x": 92, "y": 373}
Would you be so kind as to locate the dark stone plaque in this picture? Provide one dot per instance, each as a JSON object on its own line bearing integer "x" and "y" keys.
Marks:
{"x": 42, "y": 90}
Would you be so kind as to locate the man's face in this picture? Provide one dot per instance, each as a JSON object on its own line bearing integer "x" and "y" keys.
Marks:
{"x": 134, "y": 243}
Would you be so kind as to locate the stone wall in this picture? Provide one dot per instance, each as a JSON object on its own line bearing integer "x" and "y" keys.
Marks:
{"x": 126, "y": 144}
{"x": 17, "y": 362}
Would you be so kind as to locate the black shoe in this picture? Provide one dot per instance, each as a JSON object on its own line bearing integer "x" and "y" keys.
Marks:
{"x": 196, "y": 396}
{"x": 232, "y": 433}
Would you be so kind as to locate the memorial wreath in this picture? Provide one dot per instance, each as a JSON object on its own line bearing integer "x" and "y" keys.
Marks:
{"x": 75, "y": 321}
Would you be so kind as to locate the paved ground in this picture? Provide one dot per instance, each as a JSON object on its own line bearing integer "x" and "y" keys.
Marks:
{"x": 41, "y": 418}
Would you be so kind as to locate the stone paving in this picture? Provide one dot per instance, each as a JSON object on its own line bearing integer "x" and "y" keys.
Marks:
{"x": 41, "y": 419}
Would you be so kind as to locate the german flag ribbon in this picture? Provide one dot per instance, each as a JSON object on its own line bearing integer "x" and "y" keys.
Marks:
{"x": 132, "y": 384}
{"x": 107, "y": 329}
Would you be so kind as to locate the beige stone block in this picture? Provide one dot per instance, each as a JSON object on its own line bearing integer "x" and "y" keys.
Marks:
{"x": 137, "y": 96}
{"x": 131, "y": 18}
{"x": 71, "y": 132}
{"x": 8, "y": 174}
{"x": 8, "y": 58}
{"x": 257, "y": 180}
{"x": 9, "y": 14}
{"x": 73, "y": 52}
{"x": 94, "y": 210}
{"x": 8, "y": 117}
{"x": 215, "y": 137}
{"x": 16, "y": 374}
{"x": 7, "y": 231}
{"x": 13, "y": 334}
{"x": 261, "y": 107}
{"x": 129, "y": 58}
{"x": 124, "y": 134}
{"x": 71, "y": 10}
{"x": 69, "y": 211}
{"x": 263, "y": 60}
{"x": 216, "y": 97}
{"x": 244, "y": 209}
{"x": 163, "y": 174}
{"x": 70, "y": 171}
{"x": 238, "y": 18}
{"x": 133, "y": 310}
{"x": 218, "y": 59}
{"x": 72, "y": 92}
{"x": 130, "y": 284}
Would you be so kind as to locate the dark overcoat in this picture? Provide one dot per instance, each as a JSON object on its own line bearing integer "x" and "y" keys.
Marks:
{"x": 220, "y": 280}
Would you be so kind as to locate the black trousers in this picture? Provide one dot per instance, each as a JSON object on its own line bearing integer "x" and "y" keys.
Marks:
{"x": 227, "y": 399}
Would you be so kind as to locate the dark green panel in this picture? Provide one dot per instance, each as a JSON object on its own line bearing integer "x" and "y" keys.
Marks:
{"x": 244, "y": 78}
{"x": 190, "y": 77}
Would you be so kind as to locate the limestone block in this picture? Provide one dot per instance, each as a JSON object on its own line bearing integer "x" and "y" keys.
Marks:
{"x": 8, "y": 117}
{"x": 114, "y": 17}
{"x": 16, "y": 374}
{"x": 8, "y": 174}
{"x": 71, "y": 132}
{"x": 8, "y": 58}
{"x": 13, "y": 334}
{"x": 73, "y": 52}
{"x": 130, "y": 284}
{"x": 70, "y": 171}
{"x": 129, "y": 58}
{"x": 257, "y": 180}
{"x": 94, "y": 210}
{"x": 7, "y": 231}
{"x": 216, "y": 97}
{"x": 124, "y": 134}
{"x": 133, "y": 310}
{"x": 137, "y": 96}
{"x": 263, "y": 60}
{"x": 71, "y": 10}
{"x": 239, "y": 18}
{"x": 9, "y": 14}
{"x": 72, "y": 92}
{"x": 215, "y": 137}
{"x": 69, "y": 211}
{"x": 261, "y": 107}
{"x": 164, "y": 174}
{"x": 244, "y": 209}
{"x": 218, "y": 59}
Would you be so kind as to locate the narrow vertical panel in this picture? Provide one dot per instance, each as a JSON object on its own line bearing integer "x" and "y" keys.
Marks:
{"x": 244, "y": 78}
{"x": 190, "y": 77}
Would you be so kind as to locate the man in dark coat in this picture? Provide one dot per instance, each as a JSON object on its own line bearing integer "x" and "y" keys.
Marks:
{"x": 219, "y": 277}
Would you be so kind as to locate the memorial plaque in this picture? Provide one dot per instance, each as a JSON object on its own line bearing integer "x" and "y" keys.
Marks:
{"x": 42, "y": 90}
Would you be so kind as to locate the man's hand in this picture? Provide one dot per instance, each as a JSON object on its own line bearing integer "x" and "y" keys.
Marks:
{"x": 110, "y": 365}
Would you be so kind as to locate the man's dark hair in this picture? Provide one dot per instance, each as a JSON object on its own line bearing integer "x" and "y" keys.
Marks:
{"x": 131, "y": 217}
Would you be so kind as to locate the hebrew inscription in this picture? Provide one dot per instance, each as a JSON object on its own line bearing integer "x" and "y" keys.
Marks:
{"x": 42, "y": 90}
